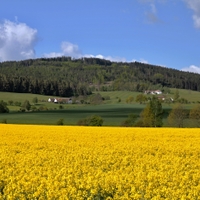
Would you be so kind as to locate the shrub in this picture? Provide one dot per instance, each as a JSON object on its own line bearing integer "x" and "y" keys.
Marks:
{"x": 61, "y": 107}
{"x": 94, "y": 120}
{"x": 4, "y": 121}
{"x": 96, "y": 99}
{"x": 82, "y": 122}
{"x": 22, "y": 110}
{"x": 60, "y": 122}
{"x": 42, "y": 108}
{"x": 82, "y": 101}
{"x": 182, "y": 101}
{"x": 10, "y": 102}
{"x": 139, "y": 123}
{"x": 130, "y": 121}
{"x": 106, "y": 98}
{"x": 17, "y": 103}
{"x": 33, "y": 108}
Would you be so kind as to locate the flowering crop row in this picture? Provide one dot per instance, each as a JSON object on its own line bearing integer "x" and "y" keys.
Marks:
{"x": 53, "y": 162}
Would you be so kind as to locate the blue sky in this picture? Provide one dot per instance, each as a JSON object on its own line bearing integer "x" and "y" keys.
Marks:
{"x": 160, "y": 32}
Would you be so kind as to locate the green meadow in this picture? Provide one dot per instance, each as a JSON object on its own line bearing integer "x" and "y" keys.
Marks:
{"x": 113, "y": 111}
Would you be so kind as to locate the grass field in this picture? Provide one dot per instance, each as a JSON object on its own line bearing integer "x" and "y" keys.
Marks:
{"x": 21, "y": 97}
{"x": 112, "y": 114}
{"x": 111, "y": 163}
{"x": 112, "y": 111}
{"x": 191, "y": 96}
{"x": 116, "y": 95}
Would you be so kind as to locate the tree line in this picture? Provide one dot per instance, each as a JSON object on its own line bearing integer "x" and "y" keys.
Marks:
{"x": 64, "y": 76}
{"x": 152, "y": 116}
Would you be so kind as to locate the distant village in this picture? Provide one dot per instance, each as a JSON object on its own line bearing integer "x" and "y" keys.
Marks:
{"x": 157, "y": 92}
{"x": 153, "y": 92}
{"x": 70, "y": 100}
{"x": 60, "y": 100}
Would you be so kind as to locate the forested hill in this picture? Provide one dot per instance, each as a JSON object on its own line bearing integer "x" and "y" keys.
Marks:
{"x": 64, "y": 76}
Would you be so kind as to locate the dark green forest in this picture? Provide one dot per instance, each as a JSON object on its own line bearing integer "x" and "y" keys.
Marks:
{"x": 64, "y": 76}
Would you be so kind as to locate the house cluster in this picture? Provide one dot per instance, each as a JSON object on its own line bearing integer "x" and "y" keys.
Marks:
{"x": 60, "y": 100}
{"x": 153, "y": 92}
{"x": 160, "y": 95}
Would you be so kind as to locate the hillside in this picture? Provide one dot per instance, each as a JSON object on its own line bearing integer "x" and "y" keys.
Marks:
{"x": 64, "y": 76}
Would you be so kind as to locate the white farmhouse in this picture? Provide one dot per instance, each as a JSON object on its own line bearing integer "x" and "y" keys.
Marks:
{"x": 157, "y": 92}
{"x": 153, "y": 92}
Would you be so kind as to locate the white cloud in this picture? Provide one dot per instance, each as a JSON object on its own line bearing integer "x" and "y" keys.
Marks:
{"x": 72, "y": 50}
{"x": 195, "y": 6}
{"x": 114, "y": 59}
{"x": 17, "y": 41}
{"x": 192, "y": 68}
{"x": 67, "y": 49}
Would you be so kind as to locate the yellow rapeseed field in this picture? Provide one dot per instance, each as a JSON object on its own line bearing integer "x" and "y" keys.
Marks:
{"x": 63, "y": 162}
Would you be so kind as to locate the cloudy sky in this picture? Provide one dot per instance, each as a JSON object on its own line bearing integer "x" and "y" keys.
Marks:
{"x": 160, "y": 32}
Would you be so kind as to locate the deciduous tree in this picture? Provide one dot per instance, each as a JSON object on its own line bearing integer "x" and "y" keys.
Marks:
{"x": 130, "y": 99}
{"x": 26, "y": 105}
{"x": 176, "y": 95}
{"x": 35, "y": 100}
{"x": 141, "y": 98}
{"x": 3, "y": 107}
{"x": 147, "y": 116}
{"x": 152, "y": 114}
{"x": 195, "y": 115}
{"x": 177, "y": 116}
